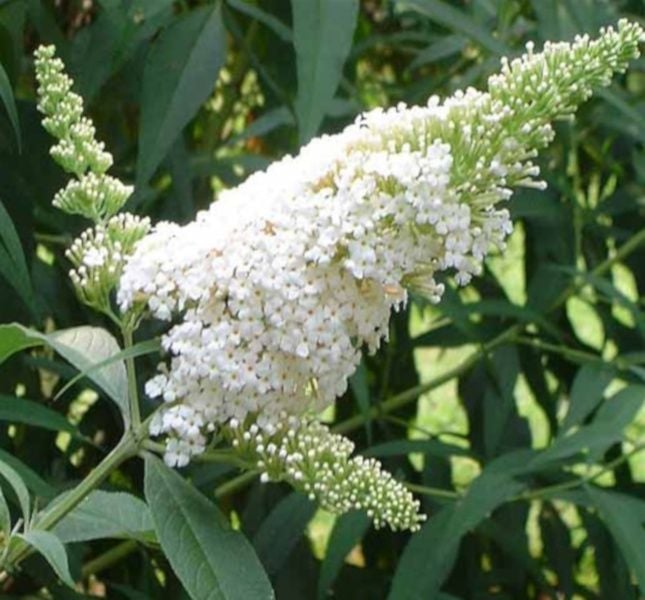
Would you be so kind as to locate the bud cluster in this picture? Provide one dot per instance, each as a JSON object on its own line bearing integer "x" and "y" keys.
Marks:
{"x": 312, "y": 459}
{"x": 95, "y": 195}
{"x": 98, "y": 255}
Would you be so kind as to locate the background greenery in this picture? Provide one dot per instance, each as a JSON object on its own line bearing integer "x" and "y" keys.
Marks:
{"x": 514, "y": 408}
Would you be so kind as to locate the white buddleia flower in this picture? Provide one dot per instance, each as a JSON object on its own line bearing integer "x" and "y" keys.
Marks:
{"x": 284, "y": 280}
{"x": 98, "y": 256}
{"x": 94, "y": 195}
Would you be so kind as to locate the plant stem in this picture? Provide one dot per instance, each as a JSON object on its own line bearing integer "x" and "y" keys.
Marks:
{"x": 133, "y": 394}
{"x": 574, "y": 483}
{"x": 400, "y": 400}
{"x": 576, "y": 356}
{"x": 125, "y": 449}
{"x": 233, "y": 485}
{"x": 508, "y": 335}
{"x": 432, "y": 491}
{"x": 625, "y": 250}
{"x": 108, "y": 558}
{"x": 120, "y": 551}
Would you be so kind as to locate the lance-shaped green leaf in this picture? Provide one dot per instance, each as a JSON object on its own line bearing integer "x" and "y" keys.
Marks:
{"x": 586, "y": 392}
{"x": 6, "y": 95}
{"x": 18, "y": 486}
{"x": 455, "y": 20}
{"x": 624, "y": 516}
{"x": 32, "y": 480}
{"x": 52, "y": 550}
{"x": 107, "y": 515}
{"x": 140, "y": 349}
{"x": 5, "y": 516}
{"x": 180, "y": 73}
{"x": 348, "y": 531}
{"x": 431, "y": 552}
{"x": 13, "y": 266}
{"x": 28, "y": 412}
{"x": 212, "y": 560}
{"x": 83, "y": 347}
{"x": 281, "y": 530}
{"x": 322, "y": 36}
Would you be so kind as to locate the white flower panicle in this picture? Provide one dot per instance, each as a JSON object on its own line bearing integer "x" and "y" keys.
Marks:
{"x": 98, "y": 256}
{"x": 95, "y": 195}
{"x": 317, "y": 462}
{"x": 286, "y": 277}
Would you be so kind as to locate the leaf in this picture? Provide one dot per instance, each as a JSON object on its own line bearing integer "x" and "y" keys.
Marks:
{"x": 607, "y": 428}
{"x": 348, "y": 530}
{"x": 107, "y": 515}
{"x": 322, "y": 37}
{"x": 5, "y": 516}
{"x": 446, "y": 46}
{"x": 28, "y": 412}
{"x": 273, "y": 119}
{"x": 179, "y": 74}
{"x": 402, "y": 447}
{"x": 14, "y": 479}
{"x": 14, "y": 338}
{"x": 140, "y": 349}
{"x": 281, "y": 530}
{"x": 504, "y": 308}
{"x": 13, "y": 265}
{"x": 101, "y": 49}
{"x": 430, "y": 553}
{"x": 586, "y": 392}
{"x": 83, "y": 347}
{"x": 361, "y": 392}
{"x": 6, "y": 95}
{"x": 32, "y": 480}
{"x": 52, "y": 550}
{"x": 613, "y": 571}
{"x": 625, "y": 525}
{"x": 256, "y": 13}
{"x": 456, "y": 21}
{"x": 211, "y": 559}
{"x": 427, "y": 558}
{"x": 558, "y": 549}
{"x": 514, "y": 545}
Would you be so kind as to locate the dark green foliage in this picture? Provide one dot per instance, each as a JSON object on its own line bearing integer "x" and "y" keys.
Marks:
{"x": 514, "y": 408}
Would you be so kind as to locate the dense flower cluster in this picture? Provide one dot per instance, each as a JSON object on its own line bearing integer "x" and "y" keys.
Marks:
{"x": 94, "y": 195}
{"x": 279, "y": 286}
{"x": 98, "y": 255}
{"x": 285, "y": 278}
{"x": 319, "y": 463}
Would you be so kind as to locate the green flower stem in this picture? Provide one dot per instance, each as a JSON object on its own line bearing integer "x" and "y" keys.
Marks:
{"x": 124, "y": 450}
{"x": 404, "y": 398}
{"x": 133, "y": 393}
{"x": 108, "y": 558}
{"x": 47, "y": 238}
{"x": 235, "y": 484}
{"x": 506, "y": 336}
{"x": 632, "y": 244}
{"x": 579, "y": 481}
{"x": 576, "y": 356}
{"x": 433, "y": 492}
{"x": 226, "y": 455}
{"x": 117, "y": 553}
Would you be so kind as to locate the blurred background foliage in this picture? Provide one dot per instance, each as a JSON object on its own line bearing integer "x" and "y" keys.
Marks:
{"x": 514, "y": 408}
